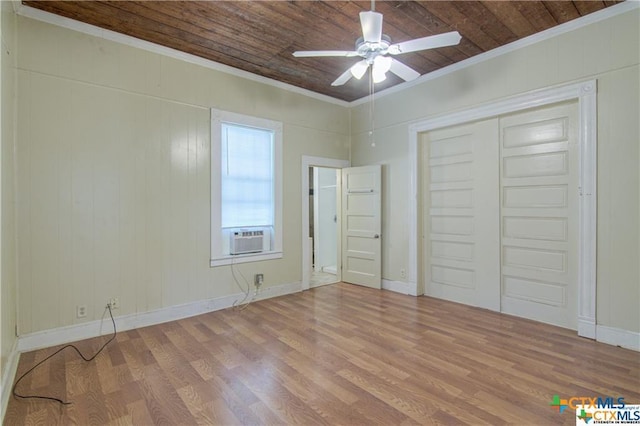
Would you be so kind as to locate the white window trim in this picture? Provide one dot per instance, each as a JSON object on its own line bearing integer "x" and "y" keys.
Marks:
{"x": 217, "y": 118}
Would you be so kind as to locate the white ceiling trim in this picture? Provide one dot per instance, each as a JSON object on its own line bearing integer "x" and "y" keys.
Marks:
{"x": 583, "y": 21}
{"x": 15, "y": 4}
{"x": 61, "y": 21}
{"x": 82, "y": 27}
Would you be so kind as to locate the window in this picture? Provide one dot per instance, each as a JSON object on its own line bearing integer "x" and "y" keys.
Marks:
{"x": 246, "y": 187}
{"x": 247, "y": 176}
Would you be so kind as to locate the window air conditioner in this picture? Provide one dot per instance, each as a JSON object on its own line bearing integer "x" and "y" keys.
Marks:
{"x": 243, "y": 242}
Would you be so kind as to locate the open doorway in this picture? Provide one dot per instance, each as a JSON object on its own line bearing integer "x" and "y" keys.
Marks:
{"x": 308, "y": 217}
{"x": 323, "y": 225}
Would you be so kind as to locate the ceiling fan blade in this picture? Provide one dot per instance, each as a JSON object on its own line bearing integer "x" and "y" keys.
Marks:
{"x": 404, "y": 72}
{"x": 359, "y": 68}
{"x": 318, "y": 53}
{"x": 344, "y": 77}
{"x": 429, "y": 42}
{"x": 371, "y": 26}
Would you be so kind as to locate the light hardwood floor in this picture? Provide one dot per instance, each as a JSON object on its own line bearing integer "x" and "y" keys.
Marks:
{"x": 338, "y": 354}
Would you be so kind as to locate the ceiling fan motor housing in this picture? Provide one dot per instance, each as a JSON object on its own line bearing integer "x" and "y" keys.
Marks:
{"x": 369, "y": 50}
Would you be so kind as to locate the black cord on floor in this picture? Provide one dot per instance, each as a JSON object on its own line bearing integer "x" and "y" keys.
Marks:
{"x": 51, "y": 398}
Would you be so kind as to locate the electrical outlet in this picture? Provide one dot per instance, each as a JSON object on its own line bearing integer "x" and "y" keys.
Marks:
{"x": 81, "y": 311}
{"x": 403, "y": 273}
{"x": 114, "y": 302}
{"x": 258, "y": 279}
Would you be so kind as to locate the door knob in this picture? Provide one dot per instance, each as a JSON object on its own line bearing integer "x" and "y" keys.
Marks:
{"x": 376, "y": 236}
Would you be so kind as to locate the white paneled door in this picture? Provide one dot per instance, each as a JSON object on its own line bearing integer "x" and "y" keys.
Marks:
{"x": 462, "y": 234}
{"x": 539, "y": 216}
{"x": 500, "y": 214}
{"x": 361, "y": 226}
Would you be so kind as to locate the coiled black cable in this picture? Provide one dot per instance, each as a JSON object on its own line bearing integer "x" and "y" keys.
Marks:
{"x": 51, "y": 398}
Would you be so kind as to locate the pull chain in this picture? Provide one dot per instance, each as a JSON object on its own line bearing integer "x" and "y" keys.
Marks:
{"x": 372, "y": 102}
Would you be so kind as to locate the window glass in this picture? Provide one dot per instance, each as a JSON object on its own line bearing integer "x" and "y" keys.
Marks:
{"x": 247, "y": 177}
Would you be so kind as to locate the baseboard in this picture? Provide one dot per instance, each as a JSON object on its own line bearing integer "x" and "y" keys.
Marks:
{"x": 586, "y": 328}
{"x": 618, "y": 337}
{"x": 397, "y": 286}
{"x": 330, "y": 269}
{"x": 8, "y": 374}
{"x": 278, "y": 290}
{"x": 72, "y": 333}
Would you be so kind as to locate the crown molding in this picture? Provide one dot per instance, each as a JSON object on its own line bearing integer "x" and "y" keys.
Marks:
{"x": 71, "y": 24}
{"x": 575, "y": 24}
{"x": 74, "y": 25}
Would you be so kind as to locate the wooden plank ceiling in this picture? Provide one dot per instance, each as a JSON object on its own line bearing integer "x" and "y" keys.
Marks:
{"x": 260, "y": 36}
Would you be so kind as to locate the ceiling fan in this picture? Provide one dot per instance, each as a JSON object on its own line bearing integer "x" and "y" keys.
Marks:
{"x": 374, "y": 46}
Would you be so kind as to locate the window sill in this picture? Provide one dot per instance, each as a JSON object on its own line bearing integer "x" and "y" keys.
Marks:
{"x": 245, "y": 258}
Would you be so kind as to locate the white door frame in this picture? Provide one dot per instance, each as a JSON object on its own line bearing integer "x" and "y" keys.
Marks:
{"x": 585, "y": 93}
{"x": 309, "y": 161}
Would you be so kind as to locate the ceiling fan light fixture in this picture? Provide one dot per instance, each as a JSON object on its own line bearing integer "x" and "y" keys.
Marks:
{"x": 359, "y": 68}
{"x": 378, "y": 76}
{"x": 381, "y": 65}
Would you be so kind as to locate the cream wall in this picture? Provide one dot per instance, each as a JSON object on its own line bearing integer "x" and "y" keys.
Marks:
{"x": 7, "y": 199}
{"x": 113, "y": 175}
{"x": 113, "y": 165}
{"x": 608, "y": 51}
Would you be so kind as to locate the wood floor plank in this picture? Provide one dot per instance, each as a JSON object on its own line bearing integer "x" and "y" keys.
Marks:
{"x": 237, "y": 402}
{"x": 322, "y": 379}
{"x": 338, "y": 354}
{"x": 139, "y": 413}
{"x": 389, "y": 392}
{"x": 289, "y": 407}
{"x": 265, "y": 415}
